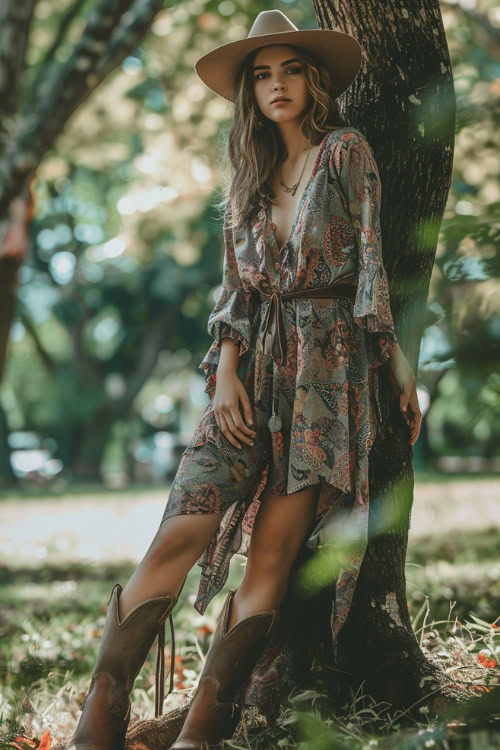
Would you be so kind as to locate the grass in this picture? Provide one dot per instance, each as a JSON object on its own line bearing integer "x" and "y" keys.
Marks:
{"x": 52, "y": 614}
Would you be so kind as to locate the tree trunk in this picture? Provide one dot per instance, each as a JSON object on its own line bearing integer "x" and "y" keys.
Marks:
{"x": 403, "y": 101}
{"x": 96, "y": 434}
{"x": 7, "y": 477}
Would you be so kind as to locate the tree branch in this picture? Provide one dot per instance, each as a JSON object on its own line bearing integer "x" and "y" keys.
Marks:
{"x": 49, "y": 58}
{"x": 27, "y": 322}
{"x": 113, "y": 30}
{"x": 15, "y": 21}
{"x": 148, "y": 354}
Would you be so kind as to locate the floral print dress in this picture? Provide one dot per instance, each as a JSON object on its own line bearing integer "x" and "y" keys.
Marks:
{"x": 325, "y": 391}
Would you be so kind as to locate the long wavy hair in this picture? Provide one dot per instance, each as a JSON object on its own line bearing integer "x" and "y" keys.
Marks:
{"x": 252, "y": 154}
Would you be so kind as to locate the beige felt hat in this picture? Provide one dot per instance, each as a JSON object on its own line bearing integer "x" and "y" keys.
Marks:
{"x": 340, "y": 52}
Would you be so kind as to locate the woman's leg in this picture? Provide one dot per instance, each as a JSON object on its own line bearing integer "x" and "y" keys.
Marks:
{"x": 151, "y": 596}
{"x": 279, "y": 529}
{"x": 177, "y": 545}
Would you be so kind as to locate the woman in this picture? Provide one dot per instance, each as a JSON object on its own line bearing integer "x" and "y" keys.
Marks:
{"x": 280, "y": 457}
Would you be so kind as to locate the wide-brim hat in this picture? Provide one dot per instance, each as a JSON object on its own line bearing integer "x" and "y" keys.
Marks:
{"x": 340, "y": 52}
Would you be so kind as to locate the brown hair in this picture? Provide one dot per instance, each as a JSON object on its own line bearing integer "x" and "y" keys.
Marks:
{"x": 252, "y": 154}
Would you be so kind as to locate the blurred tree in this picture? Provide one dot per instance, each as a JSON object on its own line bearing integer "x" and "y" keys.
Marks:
{"x": 460, "y": 353}
{"x": 34, "y": 109}
{"x": 105, "y": 319}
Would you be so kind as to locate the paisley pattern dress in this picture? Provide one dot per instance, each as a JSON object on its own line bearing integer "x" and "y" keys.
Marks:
{"x": 325, "y": 391}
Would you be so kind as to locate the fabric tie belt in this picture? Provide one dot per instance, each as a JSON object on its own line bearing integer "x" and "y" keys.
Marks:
{"x": 344, "y": 287}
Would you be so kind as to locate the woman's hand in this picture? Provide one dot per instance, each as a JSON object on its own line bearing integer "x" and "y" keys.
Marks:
{"x": 404, "y": 384}
{"x": 229, "y": 391}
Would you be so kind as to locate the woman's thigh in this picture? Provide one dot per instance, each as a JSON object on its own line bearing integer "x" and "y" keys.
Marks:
{"x": 280, "y": 527}
{"x": 213, "y": 474}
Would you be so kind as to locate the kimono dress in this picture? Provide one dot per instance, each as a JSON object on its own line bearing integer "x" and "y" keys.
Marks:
{"x": 325, "y": 390}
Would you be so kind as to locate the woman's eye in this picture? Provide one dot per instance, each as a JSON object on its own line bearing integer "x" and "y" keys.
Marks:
{"x": 288, "y": 70}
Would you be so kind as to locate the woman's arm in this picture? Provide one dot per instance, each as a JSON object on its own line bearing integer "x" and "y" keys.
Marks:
{"x": 394, "y": 351}
{"x": 404, "y": 383}
{"x": 229, "y": 355}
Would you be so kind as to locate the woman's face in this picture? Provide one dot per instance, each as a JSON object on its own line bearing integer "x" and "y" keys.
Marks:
{"x": 277, "y": 71}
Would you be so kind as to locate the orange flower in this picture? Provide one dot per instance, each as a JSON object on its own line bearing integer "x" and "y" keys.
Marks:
{"x": 45, "y": 741}
{"x": 24, "y": 741}
{"x": 487, "y": 662}
{"x": 204, "y": 630}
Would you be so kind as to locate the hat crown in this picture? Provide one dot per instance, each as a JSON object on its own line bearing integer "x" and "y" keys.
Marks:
{"x": 271, "y": 22}
{"x": 339, "y": 52}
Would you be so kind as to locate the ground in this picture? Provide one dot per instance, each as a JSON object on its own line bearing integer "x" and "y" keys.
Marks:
{"x": 57, "y": 566}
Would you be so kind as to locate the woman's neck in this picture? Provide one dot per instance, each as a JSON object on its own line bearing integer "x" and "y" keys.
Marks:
{"x": 295, "y": 144}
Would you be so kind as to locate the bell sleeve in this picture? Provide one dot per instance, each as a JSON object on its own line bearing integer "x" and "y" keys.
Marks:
{"x": 361, "y": 186}
{"x": 231, "y": 316}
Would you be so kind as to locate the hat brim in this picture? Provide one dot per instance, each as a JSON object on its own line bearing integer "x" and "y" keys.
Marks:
{"x": 340, "y": 52}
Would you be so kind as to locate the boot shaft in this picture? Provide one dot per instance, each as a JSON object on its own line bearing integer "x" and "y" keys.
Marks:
{"x": 230, "y": 660}
{"x": 124, "y": 647}
{"x": 233, "y": 654}
{"x": 125, "y": 644}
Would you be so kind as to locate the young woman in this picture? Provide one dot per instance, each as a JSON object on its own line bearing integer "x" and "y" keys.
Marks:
{"x": 280, "y": 456}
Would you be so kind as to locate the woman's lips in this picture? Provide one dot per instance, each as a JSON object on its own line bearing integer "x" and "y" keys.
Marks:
{"x": 281, "y": 101}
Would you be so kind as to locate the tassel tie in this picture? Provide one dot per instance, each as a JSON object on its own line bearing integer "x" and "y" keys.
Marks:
{"x": 344, "y": 287}
{"x": 160, "y": 661}
{"x": 160, "y": 666}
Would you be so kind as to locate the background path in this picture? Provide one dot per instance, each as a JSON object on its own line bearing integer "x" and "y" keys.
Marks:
{"x": 120, "y": 526}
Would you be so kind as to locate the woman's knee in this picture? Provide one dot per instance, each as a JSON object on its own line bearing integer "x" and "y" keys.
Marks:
{"x": 183, "y": 536}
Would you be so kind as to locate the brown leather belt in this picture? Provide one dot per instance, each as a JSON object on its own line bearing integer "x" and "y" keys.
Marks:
{"x": 344, "y": 287}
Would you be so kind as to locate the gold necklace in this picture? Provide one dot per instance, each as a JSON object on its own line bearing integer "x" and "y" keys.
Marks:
{"x": 293, "y": 189}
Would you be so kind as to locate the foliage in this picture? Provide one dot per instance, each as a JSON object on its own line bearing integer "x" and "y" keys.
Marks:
{"x": 123, "y": 233}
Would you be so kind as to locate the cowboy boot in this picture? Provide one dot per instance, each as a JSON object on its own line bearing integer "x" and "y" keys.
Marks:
{"x": 212, "y": 715}
{"x": 122, "y": 652}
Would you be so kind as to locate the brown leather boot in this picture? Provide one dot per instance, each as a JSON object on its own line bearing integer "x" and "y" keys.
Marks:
{"x": 122, "y": 652}
{"x": 212, "y": 715}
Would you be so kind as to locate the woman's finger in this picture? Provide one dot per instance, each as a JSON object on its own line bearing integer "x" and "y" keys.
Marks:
{"x": 226, "y": 429}
{"x": 239, "y": 428}
{"x": 403, "y": 401}
{"x": 417, "y": 417}
{"x": 247, "y": 408}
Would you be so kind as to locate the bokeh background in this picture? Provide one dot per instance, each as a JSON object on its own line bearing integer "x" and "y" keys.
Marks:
{"x": 102, "y": 389}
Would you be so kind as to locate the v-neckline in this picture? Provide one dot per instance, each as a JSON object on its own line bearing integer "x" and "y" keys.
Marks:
{"x": 299, "y": 204}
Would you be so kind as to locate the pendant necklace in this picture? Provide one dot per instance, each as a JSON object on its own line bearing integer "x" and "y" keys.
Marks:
{"x": 293, "y": 189}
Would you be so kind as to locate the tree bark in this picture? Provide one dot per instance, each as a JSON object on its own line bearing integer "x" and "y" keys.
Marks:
{"x": 403, "y": 101}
